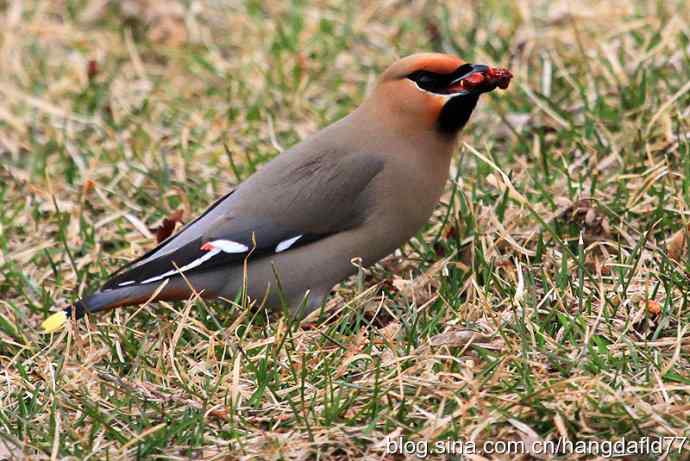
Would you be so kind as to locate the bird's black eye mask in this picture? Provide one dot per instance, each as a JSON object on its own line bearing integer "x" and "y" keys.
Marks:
{"x": 443, "y": 83}
{"x": 462, "y": 87}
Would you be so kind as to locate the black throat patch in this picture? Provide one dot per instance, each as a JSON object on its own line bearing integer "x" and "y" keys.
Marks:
{"x": 456, "y": 112}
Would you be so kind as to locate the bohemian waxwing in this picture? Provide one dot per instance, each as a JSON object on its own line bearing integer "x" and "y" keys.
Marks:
{"x": 358, "y": 188}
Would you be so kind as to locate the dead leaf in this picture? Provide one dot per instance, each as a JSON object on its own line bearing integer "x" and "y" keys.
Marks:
{"x": 456, "y": 338}
{"x": 220, "y": 413}
{"x": 653, "y": 307}
{"x": 165, "y": 21}
{"x": 8, "y": 450}
{"x": 587, "y": 217}
{"x": 677, "y": 245}
{"x": 354, "y": 347}
{"x": 390, "y": 331}
{"x": 92, "y": 69}
{"x": 167, "y": 227}
{"x": 168, "y": 30}
{"x": 88, "y": 186}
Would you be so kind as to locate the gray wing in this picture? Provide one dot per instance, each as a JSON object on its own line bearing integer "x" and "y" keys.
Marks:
{"x": 287, "y": 204}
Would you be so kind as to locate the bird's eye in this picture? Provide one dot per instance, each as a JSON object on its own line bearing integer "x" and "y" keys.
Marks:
{"x": 421, "y": 76}
{"x": 439, "y": 83}
{"x": 430, "y": 81}
{"x": 424, "y": 78}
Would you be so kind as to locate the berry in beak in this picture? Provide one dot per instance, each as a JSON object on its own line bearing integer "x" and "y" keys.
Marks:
{"x": 480, "y": 79}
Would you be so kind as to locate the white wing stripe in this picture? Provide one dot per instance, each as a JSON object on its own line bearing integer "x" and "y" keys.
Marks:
{"x": 201, "y": 260}
{"x": 197, "y": 262}
{"x": 158, "y": 277}
{"x": 285, "y": 244}
{"x": 228, "y": 246}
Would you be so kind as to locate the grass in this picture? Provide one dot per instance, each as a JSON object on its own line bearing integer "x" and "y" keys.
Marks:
{"x": 546, "y": 299}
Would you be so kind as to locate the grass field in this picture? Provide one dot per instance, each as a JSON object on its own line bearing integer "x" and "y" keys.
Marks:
{"x": 547, "y": 299}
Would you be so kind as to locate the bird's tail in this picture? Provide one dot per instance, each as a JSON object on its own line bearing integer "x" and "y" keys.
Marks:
{"x": 103, "y": 300}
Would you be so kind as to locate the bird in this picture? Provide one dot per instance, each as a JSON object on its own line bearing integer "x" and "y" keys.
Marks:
{"x": 346, "y": 196}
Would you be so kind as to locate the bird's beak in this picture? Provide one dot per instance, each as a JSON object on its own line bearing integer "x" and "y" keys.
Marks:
{"x": 478, "y": 78}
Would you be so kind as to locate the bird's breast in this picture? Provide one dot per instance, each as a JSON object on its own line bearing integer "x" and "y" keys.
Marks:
{"x": 408, "y": 194}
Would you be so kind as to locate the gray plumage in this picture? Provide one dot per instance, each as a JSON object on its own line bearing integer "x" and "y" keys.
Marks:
{"x": 359, "y": 188}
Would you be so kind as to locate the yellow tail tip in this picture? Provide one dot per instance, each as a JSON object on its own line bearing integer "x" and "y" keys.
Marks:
{"x": 54, "y": 322}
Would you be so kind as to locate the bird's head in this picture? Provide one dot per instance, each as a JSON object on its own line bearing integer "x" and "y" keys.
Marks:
{"x": 435, "y": 91}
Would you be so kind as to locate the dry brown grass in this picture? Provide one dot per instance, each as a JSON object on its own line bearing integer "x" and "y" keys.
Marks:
{"x": 547, "y": 298}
